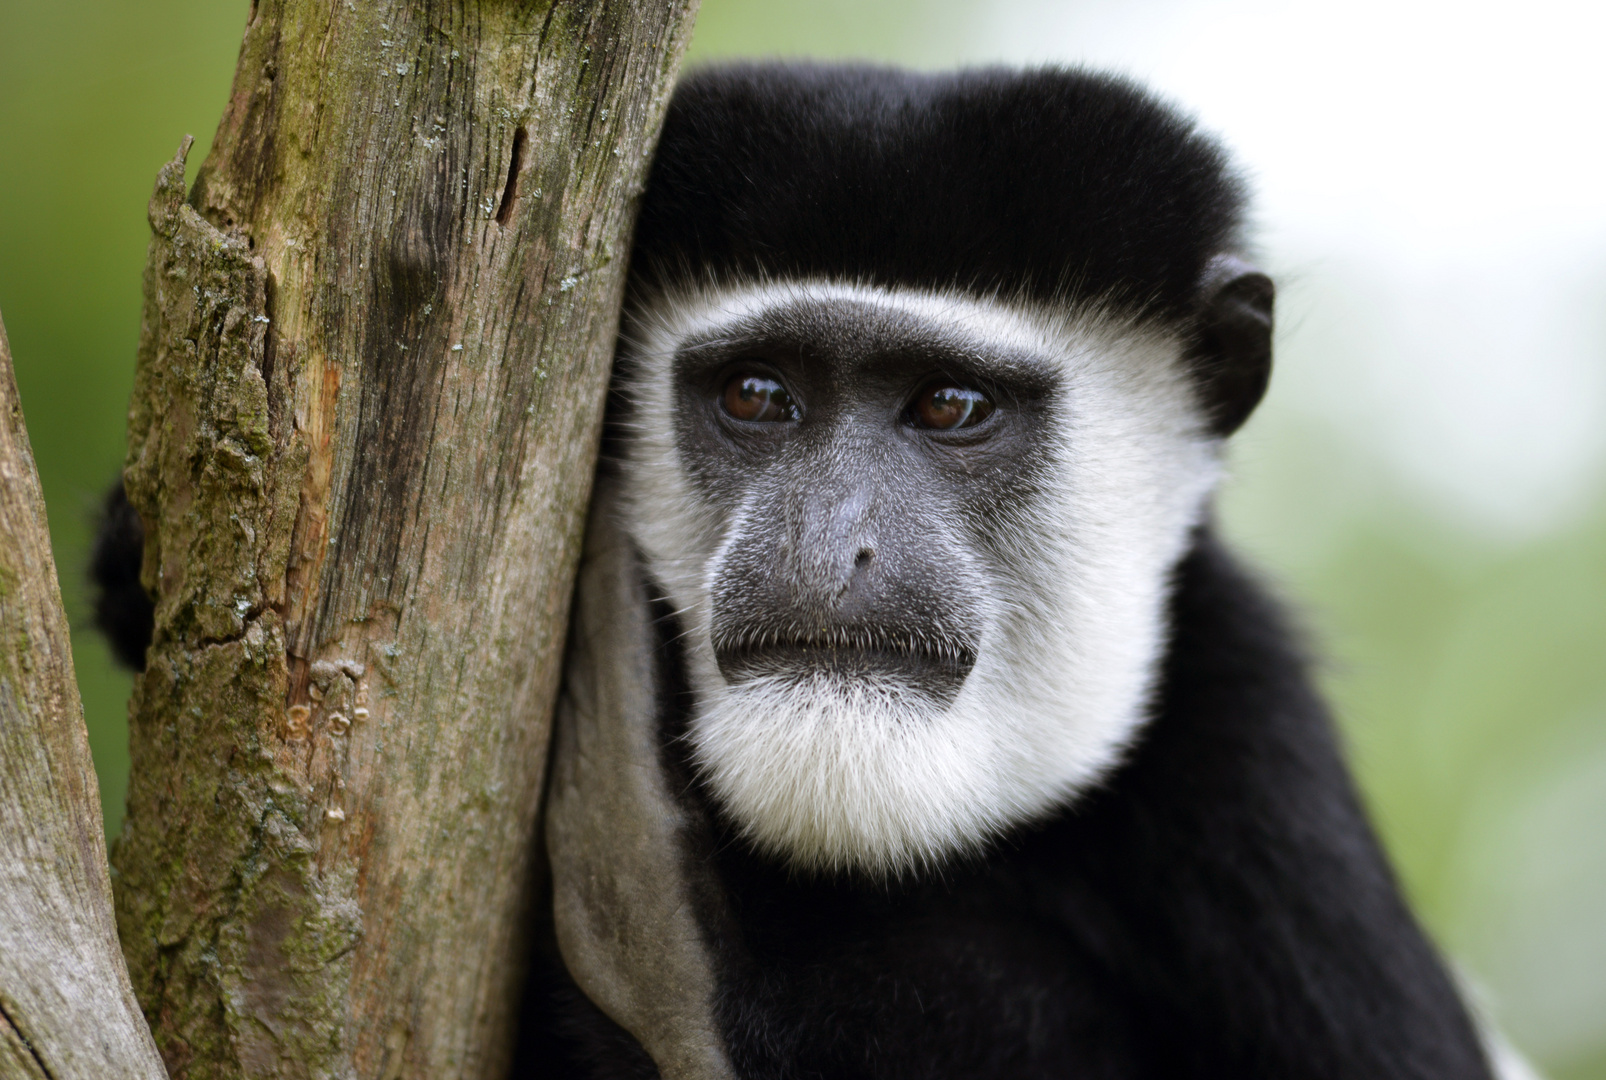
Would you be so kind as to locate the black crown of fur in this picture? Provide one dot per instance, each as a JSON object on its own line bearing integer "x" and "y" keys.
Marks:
{"x": 1052, "y": 184}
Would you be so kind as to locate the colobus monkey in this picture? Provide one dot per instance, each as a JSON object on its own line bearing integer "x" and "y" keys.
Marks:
{"x": 916, "y": 724}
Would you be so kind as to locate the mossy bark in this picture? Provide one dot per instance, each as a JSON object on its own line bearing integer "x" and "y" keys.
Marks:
{"x": 67, "y": 1011}
{"x": 375, "y": 347}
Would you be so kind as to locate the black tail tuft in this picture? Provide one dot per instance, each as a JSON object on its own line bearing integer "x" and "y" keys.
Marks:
{"x": 123, "y": 611}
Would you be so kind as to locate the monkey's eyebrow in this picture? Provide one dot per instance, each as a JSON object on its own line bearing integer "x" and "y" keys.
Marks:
{"x": 847, "y": 331}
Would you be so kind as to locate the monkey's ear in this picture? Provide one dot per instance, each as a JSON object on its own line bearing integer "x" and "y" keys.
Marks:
{"x": 1231, "y": 356}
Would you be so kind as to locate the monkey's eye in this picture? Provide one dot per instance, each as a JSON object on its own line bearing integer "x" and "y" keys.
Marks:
{"x": 758, "y": 399}
{"x": 943, "y": 407}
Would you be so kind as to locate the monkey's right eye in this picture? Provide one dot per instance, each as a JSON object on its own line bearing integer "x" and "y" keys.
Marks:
{"x": 758, "y": 399}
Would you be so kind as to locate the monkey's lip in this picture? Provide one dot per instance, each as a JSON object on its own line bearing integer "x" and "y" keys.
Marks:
{"x": 938, "y": 672}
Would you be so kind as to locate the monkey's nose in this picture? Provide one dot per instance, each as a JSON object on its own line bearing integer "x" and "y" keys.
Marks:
{"x": 856, "y": 578}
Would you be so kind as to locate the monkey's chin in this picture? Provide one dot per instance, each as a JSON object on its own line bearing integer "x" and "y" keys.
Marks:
{"x": 864, "y": 772}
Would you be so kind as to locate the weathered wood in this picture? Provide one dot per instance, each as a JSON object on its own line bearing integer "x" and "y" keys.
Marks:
{"x": 374, "y": 353}
{"x": 66, "y": 1008}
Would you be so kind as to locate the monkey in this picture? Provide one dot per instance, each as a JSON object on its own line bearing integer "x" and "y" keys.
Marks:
{"x": 916, "y": 722}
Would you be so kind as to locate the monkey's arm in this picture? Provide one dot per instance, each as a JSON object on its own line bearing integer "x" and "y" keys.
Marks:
{"x": 622, "y": 915}
{"x": 123, "y": 610}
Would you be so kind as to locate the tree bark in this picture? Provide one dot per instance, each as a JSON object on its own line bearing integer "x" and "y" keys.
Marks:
{"x": 374, "y": 352}
{"x": 66, "y": 1008}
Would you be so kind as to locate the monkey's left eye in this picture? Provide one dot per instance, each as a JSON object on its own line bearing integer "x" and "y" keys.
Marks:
{"x": 758, "y": 399}
{"x": 944, "y": 407}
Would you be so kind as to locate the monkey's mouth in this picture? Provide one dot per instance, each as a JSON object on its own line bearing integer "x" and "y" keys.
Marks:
{"x": 935, "y": 669}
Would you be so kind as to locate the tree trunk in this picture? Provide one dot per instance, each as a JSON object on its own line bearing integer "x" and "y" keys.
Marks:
{"x": 375, "y": 346}
{"x": 67, "y": 1011}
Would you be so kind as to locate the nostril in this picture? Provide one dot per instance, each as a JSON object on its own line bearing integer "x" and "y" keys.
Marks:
{"x": 863, "y": 559}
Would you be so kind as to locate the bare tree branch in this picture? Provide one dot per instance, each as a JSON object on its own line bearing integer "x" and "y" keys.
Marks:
{"x": 66, "y": 1008}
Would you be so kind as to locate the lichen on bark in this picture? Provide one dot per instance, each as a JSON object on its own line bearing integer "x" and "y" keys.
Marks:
{"x": 238, "y": 947}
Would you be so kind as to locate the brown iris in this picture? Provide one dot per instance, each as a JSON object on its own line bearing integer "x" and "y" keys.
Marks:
{"x": 945, "y": 406}
{"x": 758, "y": 399}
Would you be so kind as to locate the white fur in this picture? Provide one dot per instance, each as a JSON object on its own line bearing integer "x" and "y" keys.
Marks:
{"x": 830, "y": 773}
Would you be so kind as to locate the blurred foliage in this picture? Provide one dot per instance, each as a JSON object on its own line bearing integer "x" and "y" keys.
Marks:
{"x": 94, "y": 97}
{"x": 1469, "y": 680}
{"x": 1469, "y": 673}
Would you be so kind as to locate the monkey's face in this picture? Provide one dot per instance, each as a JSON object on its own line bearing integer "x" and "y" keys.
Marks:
{"x": 920, "y": 546}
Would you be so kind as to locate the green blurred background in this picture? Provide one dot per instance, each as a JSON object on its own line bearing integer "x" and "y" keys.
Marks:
{"x": 1427, "y": 480}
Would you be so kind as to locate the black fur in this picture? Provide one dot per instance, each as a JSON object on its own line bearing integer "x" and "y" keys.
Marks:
{"x": 1052, "y": 184}
{"x": 123, "y": 610}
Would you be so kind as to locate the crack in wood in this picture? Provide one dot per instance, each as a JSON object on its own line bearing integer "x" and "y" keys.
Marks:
{"x": 8, "y": 1026}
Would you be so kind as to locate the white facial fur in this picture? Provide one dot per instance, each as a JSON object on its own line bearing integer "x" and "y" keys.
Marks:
{"x": 832, "y": 774}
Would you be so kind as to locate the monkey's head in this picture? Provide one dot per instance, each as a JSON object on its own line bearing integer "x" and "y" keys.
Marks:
{"x": 927, "y": 380}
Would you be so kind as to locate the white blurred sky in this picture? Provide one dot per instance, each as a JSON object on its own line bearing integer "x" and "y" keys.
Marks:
{"x": 1430, "y": 184}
